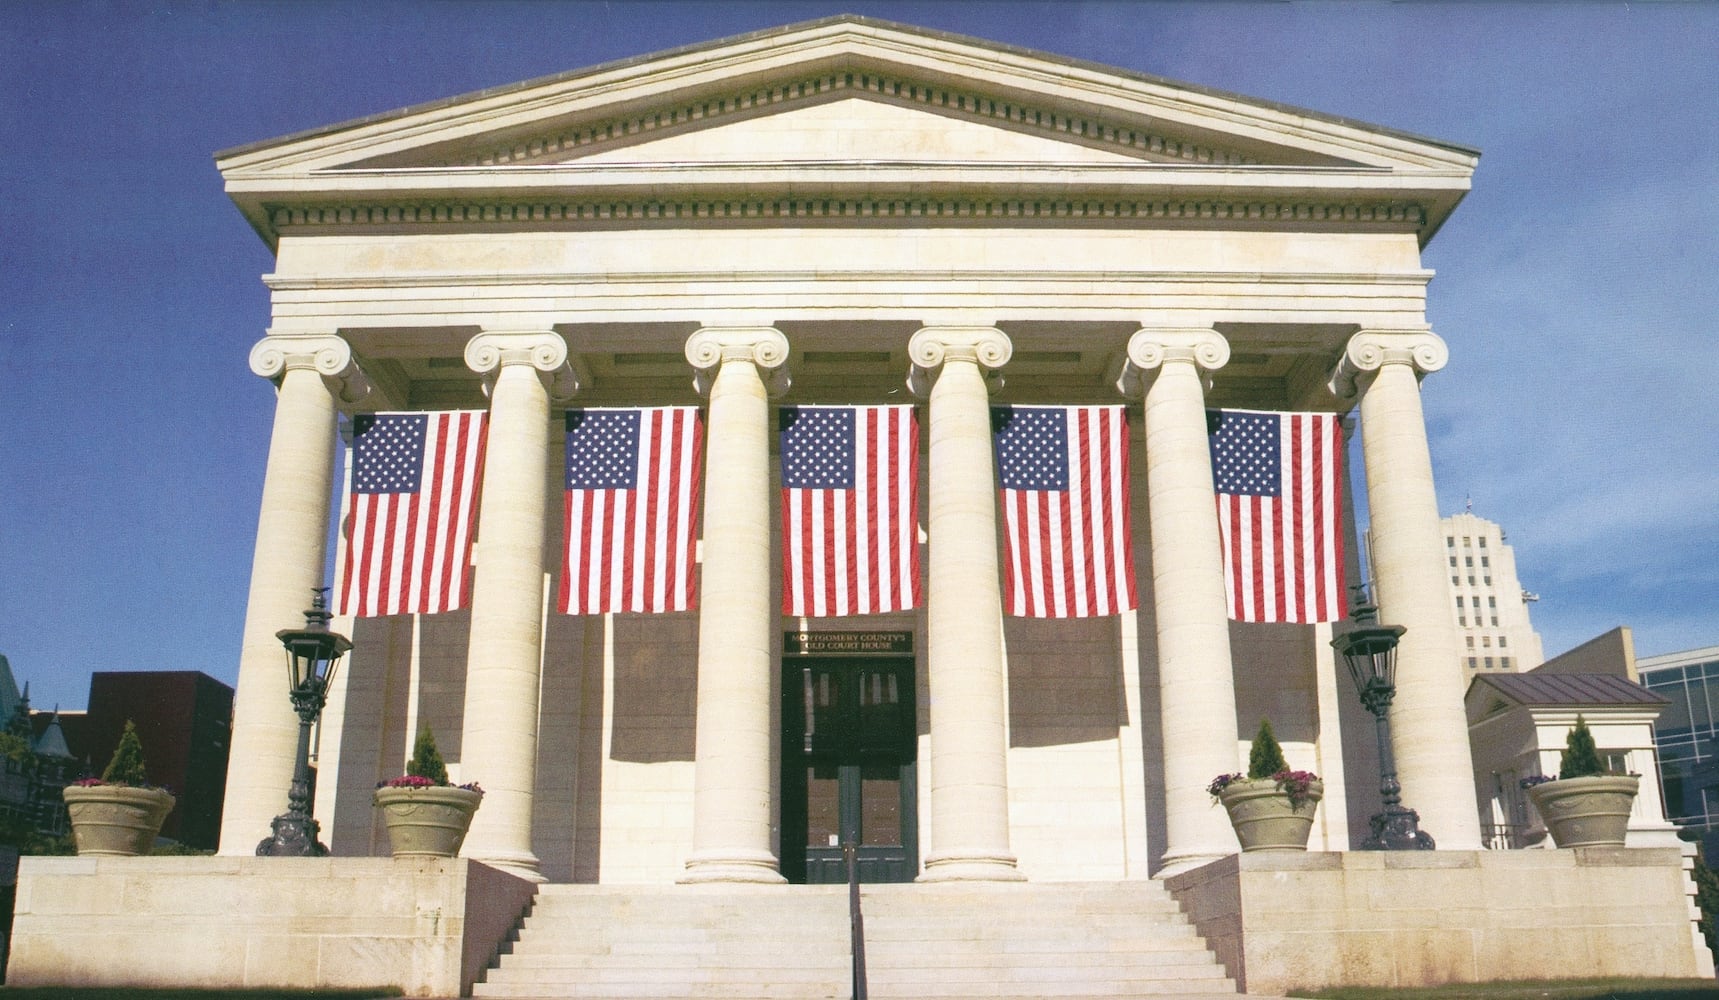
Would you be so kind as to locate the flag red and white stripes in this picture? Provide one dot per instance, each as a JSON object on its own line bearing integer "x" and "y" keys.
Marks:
{"x": 631, "y": 510}
{"x": 850, "y": 479}
{"x": 1278, "y": 478}
{"x": 1063, "y": 472}
{"x": 412, "y": 512}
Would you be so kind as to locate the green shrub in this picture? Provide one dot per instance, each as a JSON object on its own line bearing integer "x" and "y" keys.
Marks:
{"x": 1707, "y": 899}
{"x": 1581, "y": 759}
{"x": 1265, "y": 760}
{"x": 127, "y": 767}
{"x": 426, "y": 759}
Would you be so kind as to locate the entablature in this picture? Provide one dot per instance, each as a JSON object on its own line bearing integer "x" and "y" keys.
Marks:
{"x": 1271, "y": 366}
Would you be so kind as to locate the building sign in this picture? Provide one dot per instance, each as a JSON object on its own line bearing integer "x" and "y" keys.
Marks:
{"x": 847, "y": 644}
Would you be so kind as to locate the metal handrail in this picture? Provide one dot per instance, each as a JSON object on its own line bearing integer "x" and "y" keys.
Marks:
{"x": 856, "y": 920}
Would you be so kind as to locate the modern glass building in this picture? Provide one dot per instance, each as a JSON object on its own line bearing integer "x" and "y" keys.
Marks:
{"x": 1687, "y": 738}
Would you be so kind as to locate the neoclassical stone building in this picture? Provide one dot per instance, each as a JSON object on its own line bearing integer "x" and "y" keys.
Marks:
{"x": 812, "y": 215}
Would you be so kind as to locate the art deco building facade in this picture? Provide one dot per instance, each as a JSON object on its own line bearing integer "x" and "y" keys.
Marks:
{"x": 1491, "y": 603}
{"x": 813, "y": 215}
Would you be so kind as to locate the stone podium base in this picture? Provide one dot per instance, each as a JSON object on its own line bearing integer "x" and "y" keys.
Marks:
{"x": 1286, "y": 920}
{"x": 426, "y": 926}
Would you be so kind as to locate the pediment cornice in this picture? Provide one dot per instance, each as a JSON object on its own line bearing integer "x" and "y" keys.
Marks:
{"x": 523, "y": 145}
{"x": 560, "y": 142}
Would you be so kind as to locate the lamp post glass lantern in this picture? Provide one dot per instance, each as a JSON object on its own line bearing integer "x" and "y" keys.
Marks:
{"x": 1369, "y": 650}
{"x": 313, "y": 655}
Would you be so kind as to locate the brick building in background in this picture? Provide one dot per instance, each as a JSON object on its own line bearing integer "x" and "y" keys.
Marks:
{"x": 184, "y": 719}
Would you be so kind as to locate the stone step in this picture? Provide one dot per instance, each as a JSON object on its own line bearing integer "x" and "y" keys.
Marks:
{"x": 939, "y": 942}
{"x": 1136, "y": 988}
{"x": 1055, "y": 972}
{"x": 655, "y": 991}
{"x": 671, "y": 975}
{"x": 1146, "y": 961}
{"x": 688, "y": 962}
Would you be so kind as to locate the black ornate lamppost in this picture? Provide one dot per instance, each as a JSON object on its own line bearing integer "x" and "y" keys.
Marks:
{"x": 313, "y": 654}
{"x": 1370, "y": 651}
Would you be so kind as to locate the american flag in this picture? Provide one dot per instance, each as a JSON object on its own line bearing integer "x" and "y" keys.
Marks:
{"x": 1063, "y": 471}
{"x": 1278, "y": 479}
{"x": 632, "y": 509}
{"x": 850, "y": 497}
{"x": 412, "y": 511}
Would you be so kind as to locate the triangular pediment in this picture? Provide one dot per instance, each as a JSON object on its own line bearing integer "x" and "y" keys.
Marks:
{"x": 851, "y": 129}
{"x": 956, "y": 78}
{"x": 844, "y": 93}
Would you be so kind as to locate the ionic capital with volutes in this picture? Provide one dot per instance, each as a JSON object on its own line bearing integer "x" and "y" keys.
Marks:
{"x": 544, "y": 350}
{"x": 711, "y": 346}
{"x": 324, "y": 353}
{"x": 1370, "y": 350}
{"x": 934, "y": 346}
{"x": 1153, "y": 347}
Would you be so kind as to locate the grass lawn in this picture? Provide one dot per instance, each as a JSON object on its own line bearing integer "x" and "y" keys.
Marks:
{"x": 133, "y": 993}
{"x": 1550, "y": 989}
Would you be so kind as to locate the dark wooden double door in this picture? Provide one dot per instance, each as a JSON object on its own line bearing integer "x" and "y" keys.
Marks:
{"x": 848, "y": 774}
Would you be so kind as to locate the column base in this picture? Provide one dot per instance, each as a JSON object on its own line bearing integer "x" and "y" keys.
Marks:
{"x": 523, "y": 864}
{"x": 970, "y": 866}
{"x": 757, "y": 867}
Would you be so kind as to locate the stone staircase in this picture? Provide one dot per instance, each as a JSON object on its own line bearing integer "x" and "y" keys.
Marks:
{"x": 1093, "y": 941}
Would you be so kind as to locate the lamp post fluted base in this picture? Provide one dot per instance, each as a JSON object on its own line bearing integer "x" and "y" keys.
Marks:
{"x": 1397, "y": 829}
{"x": 295, "y": 836}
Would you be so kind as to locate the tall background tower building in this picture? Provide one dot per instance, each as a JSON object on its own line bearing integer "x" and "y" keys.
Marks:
{"x": 1491, "y": 605}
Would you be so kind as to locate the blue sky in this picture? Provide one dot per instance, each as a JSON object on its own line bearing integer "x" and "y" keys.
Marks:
{"x": 1578, "y": 285}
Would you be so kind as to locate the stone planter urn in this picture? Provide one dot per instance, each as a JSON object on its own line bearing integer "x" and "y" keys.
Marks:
{"x": 116, "y": 820}
{"x": 1265, "y": 819}
{"x": 427, "y": 822}
{"x": 1586, "y": 812}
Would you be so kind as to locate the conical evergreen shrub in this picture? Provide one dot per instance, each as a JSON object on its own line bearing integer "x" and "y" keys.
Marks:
{"x": 127, "y": 767}
{"x": 426, "y": 759}
{"x": 1266, "y": 758}
{"x": 1580, "y": 759}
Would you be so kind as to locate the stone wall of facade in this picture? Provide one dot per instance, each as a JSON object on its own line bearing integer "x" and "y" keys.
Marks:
{"x": 427, "y": 927}
{"x": 1281, "y": 920}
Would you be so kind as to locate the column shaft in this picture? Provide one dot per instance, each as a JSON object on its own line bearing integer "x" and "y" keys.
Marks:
{"x": 1429, "y": 728}
{"x": 498, "y": 746}
{"x": 731, "y": 795}
{"x": 964, "y": 643}
{"x": 291, "y": 549}
{"x": 1195, "y": 675}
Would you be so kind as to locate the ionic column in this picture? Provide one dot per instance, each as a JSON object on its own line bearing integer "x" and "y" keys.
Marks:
{"x": 498, "y": 744}
{"x": 964, "y": 608}
{"x": 310, "y": 371}
{"x": 1196, "y": 685}
{"x": 731, "y": 785}
{"x": 1429, "y": 729}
